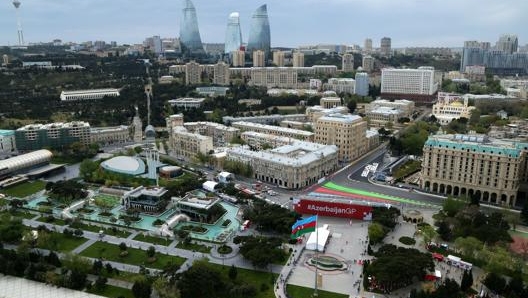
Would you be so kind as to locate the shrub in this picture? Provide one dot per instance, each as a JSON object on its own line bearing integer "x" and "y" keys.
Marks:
{"x": 407, "y": 240}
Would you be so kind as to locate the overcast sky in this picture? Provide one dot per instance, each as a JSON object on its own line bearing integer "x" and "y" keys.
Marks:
{"x": 293, "y": 22}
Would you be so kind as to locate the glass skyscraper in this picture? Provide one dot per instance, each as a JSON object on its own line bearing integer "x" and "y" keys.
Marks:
{"x": 259, "y": 33}
{"x": 189, "y": 33}
{"x": 233, "y": 39}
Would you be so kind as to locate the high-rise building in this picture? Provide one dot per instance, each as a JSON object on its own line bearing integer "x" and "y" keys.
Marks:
{"x": 368, "y": 63}
{"x": 492, "y": 170}
{"x": 7, "y": 141}
{"x": 278, "y": 58}
{"x": 298, "y": 59}
{"x": 20, "y": 33}
{"x": 347, "y": 62}
{"x": 503, "y": 60}
{"x": 385, "y": 47}
{"x": 362, "y": 84}
{"x": 417, "y": 85}
{"x": 507, "y": 43}
{"x": 221, "y": 74}
{"x": 348, "y": 132}
{"x": 53, "y": 135}
{"x": 238, "y": 58}
{"x": 189, "y": 32}
{"x": 233, "y": 39}
{"x": 259, "y": 33}
{"x": 259, "y": 58}
{"x": 367, "y": 47}
{"x": 154, "y": 43}
{"x": 193, "y": 73}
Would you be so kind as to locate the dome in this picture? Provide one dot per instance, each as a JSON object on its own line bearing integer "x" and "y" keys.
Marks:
{"x": 124, "y": 165}
{"x": 150, "y": 132}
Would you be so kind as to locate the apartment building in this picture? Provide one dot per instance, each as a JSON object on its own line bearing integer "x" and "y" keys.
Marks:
{"x": 220, "y": 133}
{"x": 347, "y": 132}
{"x": 53, "y": 135}
{"x": 275, "y": 130}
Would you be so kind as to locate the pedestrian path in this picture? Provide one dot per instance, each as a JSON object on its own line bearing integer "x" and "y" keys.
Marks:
{"x": 83, "y": 246}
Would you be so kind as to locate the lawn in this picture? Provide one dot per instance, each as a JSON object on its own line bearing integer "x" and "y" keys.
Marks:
{"x": 111, "y": 200}
{"x": 52, "y": 220}
{"x": 113, "y": 292}
{"x": 24, "y": 189}
{"x": 153, "y": 239}
{"x": 20, "y": 213}
{"x": 135, "y": 256}
{"x": 63, "y": 243}
{"x": 96, "y": 229}
{"x": 302, "y": 292}
{"x": 194, "y": 247}
{"x": 256, "y": 278}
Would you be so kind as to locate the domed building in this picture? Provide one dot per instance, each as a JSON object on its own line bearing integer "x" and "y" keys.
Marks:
{"x": 150, "y": 133}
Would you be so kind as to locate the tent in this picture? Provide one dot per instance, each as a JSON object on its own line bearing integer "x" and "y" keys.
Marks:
{"x": 323, "y": 233}
{"x": 209, "y": 185}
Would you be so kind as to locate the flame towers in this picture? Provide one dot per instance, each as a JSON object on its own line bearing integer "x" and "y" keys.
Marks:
{"x": 259, "y": 33}
{"x": 189, "y": 33}
{"x": 233, "y": 39}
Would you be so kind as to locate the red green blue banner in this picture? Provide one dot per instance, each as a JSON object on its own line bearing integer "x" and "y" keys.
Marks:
{"x": 304, "y": 226}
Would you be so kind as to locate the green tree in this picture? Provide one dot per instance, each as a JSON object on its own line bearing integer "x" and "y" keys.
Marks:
{"x": 151, "y": 251}
{"x": 122, "y": 246}
{"x": 467, "y": 280}
{"x": 524, "y": 213}
{"x": 428, "y": 233}
{"x": 141, "y": 288}
{"x": 452, "y": 206}
{"x": 469, "y": 246}
{"x": 376, "y": 232}
{"x": 233, "y": 272}
{"x": 201, "y": 281}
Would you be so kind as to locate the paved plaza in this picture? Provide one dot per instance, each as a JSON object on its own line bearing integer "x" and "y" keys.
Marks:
{"x": 347, "y": 243}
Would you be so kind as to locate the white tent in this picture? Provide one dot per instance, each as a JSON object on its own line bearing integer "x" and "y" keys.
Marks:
{"x": 209, "y": 185}
{"x": 323, "y": 233}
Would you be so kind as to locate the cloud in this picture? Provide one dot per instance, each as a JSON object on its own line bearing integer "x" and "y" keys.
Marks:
{"x": 293, "y": 22}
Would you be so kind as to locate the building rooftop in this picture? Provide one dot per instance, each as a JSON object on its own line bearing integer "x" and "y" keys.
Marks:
{"x": 277, "y": 128}
{"x": 92, "y": 91}
{"x": 6, "y": 133}
{"x": 54, "y": 125}
{"x": 125, "y": 165}
{"x": 16, "y": 287}
{"x": 148, "y": 191}
{"x": 298, "y": 154}
{"x": 348, "y": 118}
{"x": 386, "y": 110}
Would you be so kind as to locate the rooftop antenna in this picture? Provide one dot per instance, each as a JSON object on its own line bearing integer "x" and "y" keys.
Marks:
{"x": 16, "y": 4}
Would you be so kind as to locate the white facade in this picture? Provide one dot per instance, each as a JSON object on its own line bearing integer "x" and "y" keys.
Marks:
{"x": 450, "y": 107}
{"x": 408, "y": 81}
{"x": 406, "y": 106}
{"x": 88, "y": 94}
{"x": 293, "y": 166}
{"x": 110, "y": 135}
{"x": 340, "y": 85}
{"x": 274, "y": 130}
{"x": 187, "y": 102}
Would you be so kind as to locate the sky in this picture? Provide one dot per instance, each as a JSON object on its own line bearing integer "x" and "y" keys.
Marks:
{"x": 446, "y": 23}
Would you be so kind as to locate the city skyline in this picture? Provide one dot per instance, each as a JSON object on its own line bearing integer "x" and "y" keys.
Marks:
{"x": 293, "y": 23}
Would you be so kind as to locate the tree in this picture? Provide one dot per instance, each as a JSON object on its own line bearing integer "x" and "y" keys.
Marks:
{"x": 201, "y": 281}
{"x": 122, "y": 246}
{"x": 376, "y": 232}
{"x": 100, "y": 283}
{"x": 495, "y": 282}
{"x": 467, "y": 280}
{"x": 151, "y": 251}
{"x": 97, "y": 267}
{"x": 233, "y": 272}
{"x": 469, "y": 246}
{"x": 428, "y": 234}
{"x": 524, "y": 213}
{"x": 141, "y": 288}
{"x": 452, "y": 206}
{"x": 351, "y": 105}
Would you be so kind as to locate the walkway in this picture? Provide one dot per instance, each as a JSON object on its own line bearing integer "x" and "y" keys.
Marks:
{"x": 282, "y": 280}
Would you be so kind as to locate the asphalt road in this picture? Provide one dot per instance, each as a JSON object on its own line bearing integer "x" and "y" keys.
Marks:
{"x": 351, "y": 177}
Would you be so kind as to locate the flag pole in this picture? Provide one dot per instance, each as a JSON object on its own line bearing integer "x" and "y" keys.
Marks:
{"x": 316, "y": 254}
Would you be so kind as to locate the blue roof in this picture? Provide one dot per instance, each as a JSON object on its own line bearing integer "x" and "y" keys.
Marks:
{"x": 6, "y": 133}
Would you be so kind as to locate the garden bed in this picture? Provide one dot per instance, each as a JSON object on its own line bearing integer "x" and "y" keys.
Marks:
{"x": 194, "y": 229}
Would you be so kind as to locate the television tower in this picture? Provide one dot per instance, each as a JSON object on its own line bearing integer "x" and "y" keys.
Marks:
{"x": 16, "y": 4}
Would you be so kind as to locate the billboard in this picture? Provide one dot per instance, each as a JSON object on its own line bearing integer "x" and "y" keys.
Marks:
{"x": 333, "y": 209}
